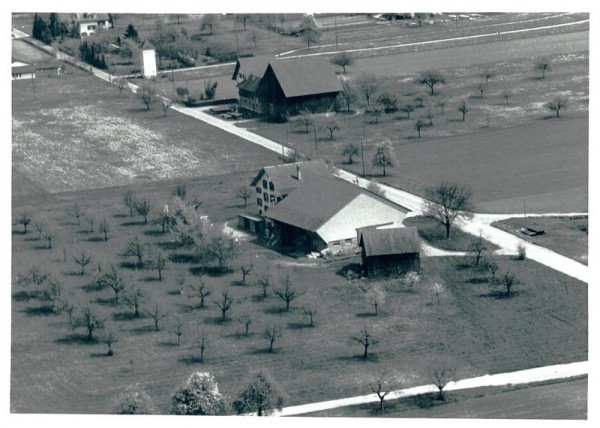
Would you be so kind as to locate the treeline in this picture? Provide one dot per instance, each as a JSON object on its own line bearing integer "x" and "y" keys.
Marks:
{"x": 92, "y": 53}
{"x": 47, "y": 31}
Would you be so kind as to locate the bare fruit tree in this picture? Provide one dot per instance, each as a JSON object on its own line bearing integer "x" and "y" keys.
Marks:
{"x": 446, "y": 202}
{"x": 225, "y": 304}
{"x": 202, "y": 291}
{"x": 441, "y": 376}
{"x": 430, "y": 79}
{"x": 382, "y": 386}
{"x": 272, "y": 333}
{"x": 286, "y": 293}
{"x": 366, "y": 340}
{"x": 157, "y": 315}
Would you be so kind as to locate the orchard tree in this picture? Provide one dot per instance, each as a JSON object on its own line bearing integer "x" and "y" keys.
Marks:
{"x": 388, "y": 102}
{"x": 508, "y": 280}
{"x": 418, "y": 99}
{"x": 419, "y": 124}
{"x": 143, "y": 208}
{"x": 245, "y": 193}
{"x": 543, "y": 65}
{"x": 442, "y": 375}
{"x": 430, "y": 79}
{"x": 202, "y": 291}
{"x": 477, "y": 247}
{"x": 375, "y": 113}
{"x": 260, "y": 396}
{"x": 556, "y": 105}
{"x": 159, "y": 263}
{"x": 134, "y": 298}
{"x": 486, "y": 75}
{"x": 220, "y": 246}
{"x": 506, "y": 94}
{"x": 367, "y": 86}
{"x": 75, "y": 211}
{"x": 310, "y": 312}
{"x": 134, "y": 401}
{"x": 446, "y": 202}
{"x": 490, "y": 264}
{"x": 264, "y": 281}
{"x": 347, "y": 96}
{"x": 375, "y": 295}
{"x": 104, "y": 228}
{"x": 109, "y": 338}
{"x": 286, "y": 293}
{"x": 366, "y": 340}
{"x": 131, "y": 32}
{"x": 24, "y": 219}
{"x": 272, "y": 333}
{"x": 350, "y": 150}
{"x": 441, "y": 104}
{"x": 382, "y": 158}
{"x": 332, "y": 126}
{"x": 342, "y": 60}
{"x": 304, "y": 119}
{"x": 121, "y": 85}
{"x": 224, "y": 304}
{"x": 463, "y": 108}
{"x": 157, "y": 315}
{"x": 246, "y": 320}
{"x": 40, "y": 226}
{"x": 136, "y": 248}
{"x": 178, "y": 330}
{"x": 407, "y": 108}
{"x": 246, "y": 269}
{"x": 308, "y": 32}
{"x": 90, "y": 321}
{"x": 199, "y": 396}
{"x": 208, "y": 22}
{"x": 82, "y": 259}
{"x": 111, "y": 279}
{"x": 130, "y": 202}
{"x": 49, "y": 236}
{"x": 382, "y": 386}
{"x": 146, "y": 96}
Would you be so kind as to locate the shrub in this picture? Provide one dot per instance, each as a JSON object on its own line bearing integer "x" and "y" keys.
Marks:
{"x": 521, "y": 252}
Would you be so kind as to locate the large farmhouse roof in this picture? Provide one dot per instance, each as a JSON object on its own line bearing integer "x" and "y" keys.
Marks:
{"x": 285, "y": 177}
{"x": 314, "y": 203}
{"x": 93, "y": 17}
{"x": 305, "y": 76}
{"x": 397, "y": 240}
{"x": 256, "y": 66}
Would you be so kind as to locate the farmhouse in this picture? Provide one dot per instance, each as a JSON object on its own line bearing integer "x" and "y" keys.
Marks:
{"x": 389, "y": 250}
{"x": 273, "y": 183}
{"x": 280, "y": 87}
{"x": 325, "y": 213}
{"x": 90, "y": 22}
{"x": 22, "y": 70}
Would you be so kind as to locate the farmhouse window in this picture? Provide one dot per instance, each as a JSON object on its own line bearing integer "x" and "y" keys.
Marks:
{"x": 272, "y": 199}
{"x": 271, "y": 187}
{"x": 264, "y": 184}
{"x": 258, "y": 189}
{"x": 266, "y": 197}
{"x": 266, "y": 208}
{"x": 259, "y": 202}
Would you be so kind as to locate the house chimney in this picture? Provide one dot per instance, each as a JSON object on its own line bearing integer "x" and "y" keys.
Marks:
{"x": 298, "y": 172}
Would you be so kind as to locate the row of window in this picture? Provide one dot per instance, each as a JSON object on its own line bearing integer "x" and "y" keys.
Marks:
{"x": 266, "y": 184}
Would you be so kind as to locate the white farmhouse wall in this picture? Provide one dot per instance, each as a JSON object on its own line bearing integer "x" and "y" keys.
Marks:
{"x": 363, "y": 211}
{"x": 149, "y": 63}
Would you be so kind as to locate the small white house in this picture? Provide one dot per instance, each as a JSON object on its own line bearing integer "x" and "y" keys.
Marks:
{"x": 148, "y": 60}
{"x": 89, "y": 23}
{"x": 22, "y": 70}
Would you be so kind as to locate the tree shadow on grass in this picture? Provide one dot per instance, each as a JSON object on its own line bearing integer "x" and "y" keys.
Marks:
{"x": 76, "y": 339}
{"x": 169, "y": 246}
{"x": 21, "y": 296}
{"x": 372, "y": 358}
{"x": 186, "y": 309}
{"x": 184, "y": 258}
{"x": 133, "y": 223}
{"x": 477, "y": 280}
{"x": 500, "y": 294}
{"x": 216, "y": 320}
{"x": 265, "y": 350}
{"x": 213, "y": 271}
{"x": 150, "y": 279}
{"x": 128, "y": 265}
{"x": 277, "y": 310}
{"x": 126, "y": 316}
{"x": 41, "y": 247}
{"x": 120, "y": 215}
{"x": 30, "y": 239}
{"x": 37, "y": 311}
{"x": 366, "y": 315}
{"x": 191, "y": 359}
{"x": 153, "y": 232}
{"x": 170, "y": 344}
{"x": 95, "y": 239}
{"x": 143, "y": 330}
{"x": 100, "y": 355}
{"x": 73, "y": 273}
{"x": 464, "y": 266}
{"x": 300, "y": 325}
{"x": 92, "y": 287}
{"x": 107, "y": 301}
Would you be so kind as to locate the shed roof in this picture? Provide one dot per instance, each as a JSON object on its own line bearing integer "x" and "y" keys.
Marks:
{"x": 398, "y": 240}
{"x": 305, "y": 76}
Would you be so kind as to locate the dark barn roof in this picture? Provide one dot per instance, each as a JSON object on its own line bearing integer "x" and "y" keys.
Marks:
{"x": 305, "y": 76}
{"x": 398, "y": 240}
{"x": 284, "y": 176}
{"x": 256, "y": 65}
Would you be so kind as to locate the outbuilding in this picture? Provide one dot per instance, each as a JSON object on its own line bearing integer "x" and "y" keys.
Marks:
{"x": 388, "y": 251}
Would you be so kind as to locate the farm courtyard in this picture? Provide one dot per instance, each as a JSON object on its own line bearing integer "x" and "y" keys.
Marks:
{"x": 81, "y": 148}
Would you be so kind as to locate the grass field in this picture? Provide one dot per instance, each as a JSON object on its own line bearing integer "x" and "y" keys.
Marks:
{"x": 79, "y": 133}
{"x": 543, "y": 323}
{"x": 523, "y": 152}
{"x": 566, "y": 236}
{"x": 546, "y": 400}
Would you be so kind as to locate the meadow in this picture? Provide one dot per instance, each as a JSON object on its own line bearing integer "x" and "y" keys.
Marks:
{"x": 464, "y": 318}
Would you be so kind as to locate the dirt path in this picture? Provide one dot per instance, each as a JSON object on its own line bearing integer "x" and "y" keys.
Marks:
{"x": 539, "y": 374}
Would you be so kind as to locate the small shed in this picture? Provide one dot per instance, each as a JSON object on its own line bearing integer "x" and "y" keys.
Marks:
{"x": 251, "y": 223}
{"x": 388, "y": 251}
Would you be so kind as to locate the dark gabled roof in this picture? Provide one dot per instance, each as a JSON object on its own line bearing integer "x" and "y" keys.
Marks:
{"x": 285, "y": 176}
{"x": 314, "y": 203}
{"x": 251, "y": 84}
{"x": 397, "y": 240}
{"x": 255, "y": 65}
{"x": 305, "y": 76}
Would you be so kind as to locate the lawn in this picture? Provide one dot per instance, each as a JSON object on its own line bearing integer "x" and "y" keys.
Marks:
{"x": 565, "y": 235}
{"x": 523, "y": 152}
{"x": 543, "y": 400}
{"x": 80, "y": 133}
{"x": 466, "y": 319}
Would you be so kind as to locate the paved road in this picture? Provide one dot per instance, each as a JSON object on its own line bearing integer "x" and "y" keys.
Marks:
{"x": 540, "y": 374}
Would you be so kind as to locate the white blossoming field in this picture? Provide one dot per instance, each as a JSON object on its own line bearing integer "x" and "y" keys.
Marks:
{"x": 79, "y": 133}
